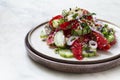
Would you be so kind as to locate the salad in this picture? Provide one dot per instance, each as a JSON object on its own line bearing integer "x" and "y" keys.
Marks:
{"x": 77, "y": 33}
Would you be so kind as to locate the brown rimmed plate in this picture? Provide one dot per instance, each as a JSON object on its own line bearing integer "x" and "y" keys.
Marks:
{"x": 40, "y": 52}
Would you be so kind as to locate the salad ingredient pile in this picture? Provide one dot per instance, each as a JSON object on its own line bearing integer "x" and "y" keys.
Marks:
{"x": 77, "y": 33}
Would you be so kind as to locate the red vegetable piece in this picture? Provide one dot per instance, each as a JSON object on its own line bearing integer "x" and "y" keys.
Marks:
{"x": 86, "y": 12}
{"x": 67, "y": 33}
{"x": 86, "y": 38}
{"x": 77, "y": 50}
{"x": 75, "y": 24}
{"x": 101, "y": 41}
{"x": 89, "y": 17}
{"x": 65, "y": 25}
{"x": 56, "y": 17}
{"x": 50, "y": 39}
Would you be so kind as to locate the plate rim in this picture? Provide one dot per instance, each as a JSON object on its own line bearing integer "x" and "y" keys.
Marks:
{"x": 29, "y": 45}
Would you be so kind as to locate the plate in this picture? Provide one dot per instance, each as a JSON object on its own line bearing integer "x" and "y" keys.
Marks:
{"x": 40, "y": 47}
{"x": 72, "y": 68}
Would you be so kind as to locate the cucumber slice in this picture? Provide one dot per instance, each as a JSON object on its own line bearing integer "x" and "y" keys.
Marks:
{"x": 91, "y": 54}
{"x": 59, "y": 39}
{"x": 111, "y": 31}
{"x": 110, "y": 38}
{"x": 84, "y": 31}
{"x": 105, "y": 30}
{"x": 73, "y": 32}
{"x": 85, "y": 54}
{"x": 79, "y": 32}
{"x": 43, "y": 34}
{"x": 66, "y": 53}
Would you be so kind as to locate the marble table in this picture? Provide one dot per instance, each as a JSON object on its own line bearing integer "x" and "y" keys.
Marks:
{"x": 17, "y": 17}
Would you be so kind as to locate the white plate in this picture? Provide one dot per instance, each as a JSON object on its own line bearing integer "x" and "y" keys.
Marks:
{"x": 40, "y": 46}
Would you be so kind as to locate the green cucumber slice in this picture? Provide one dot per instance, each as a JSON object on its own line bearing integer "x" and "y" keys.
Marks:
{"x": 66, "y": 53}
{"x": 91, "y": 54}
{"x": 59, "y": 39}
{"x": 110, "y": 38}
{"x": 85, "y": 54}
{"x": 84, "y": 31}
{"x": 105, "y": 30}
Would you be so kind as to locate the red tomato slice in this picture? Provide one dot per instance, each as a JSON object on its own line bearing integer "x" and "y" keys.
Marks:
{"x": 69, "y": 25}
{"x": 101, "y": 41}
{"x": 77, "y": 50}
{"x": 64, "y": 26}
{"x": 56, "y": 17}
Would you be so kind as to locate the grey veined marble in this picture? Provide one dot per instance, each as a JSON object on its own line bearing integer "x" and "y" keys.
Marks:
{"x": 17, "y": 17}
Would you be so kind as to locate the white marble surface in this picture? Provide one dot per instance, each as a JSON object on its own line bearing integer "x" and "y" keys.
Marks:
{"x": 17, "y": 17}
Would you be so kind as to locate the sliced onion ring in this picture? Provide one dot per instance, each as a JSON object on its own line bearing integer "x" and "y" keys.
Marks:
{"x": 93, "y": 44}
{"x": 71, "y": 40}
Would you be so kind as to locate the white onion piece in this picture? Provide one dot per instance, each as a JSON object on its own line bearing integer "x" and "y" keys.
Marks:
{"x": 70, "y": 17}
{"x": 93, "y": 44}
{"x": 71, "y": 40}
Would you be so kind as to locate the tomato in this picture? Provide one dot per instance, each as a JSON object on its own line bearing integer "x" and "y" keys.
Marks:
{"x": 65, "y": 25}
{"x": 50, "y": 39}
{"x": 69, "y": 25}
{"x": 56, "y": 17}
{"x": 75, "y": 24}
{"x": 89, "y": 17}
{"x": 77, "y": 49}
{"x": 67, "y": 33}
{"x": 101, "y": 41}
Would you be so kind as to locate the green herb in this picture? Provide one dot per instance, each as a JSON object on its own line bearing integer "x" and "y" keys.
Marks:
{"x": 75, "y": 15}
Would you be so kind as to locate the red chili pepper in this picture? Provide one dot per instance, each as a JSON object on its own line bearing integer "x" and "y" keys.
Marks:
{"x": 101, "y": 41}
{"x": 77, "y": 49}
{"x": 56, "y": 17}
